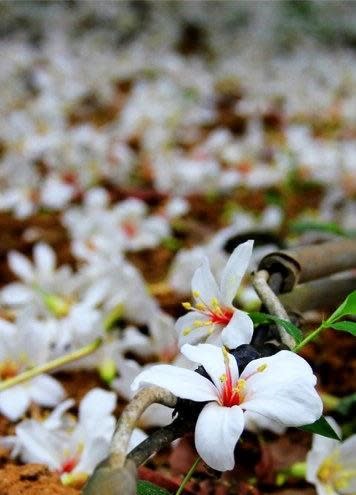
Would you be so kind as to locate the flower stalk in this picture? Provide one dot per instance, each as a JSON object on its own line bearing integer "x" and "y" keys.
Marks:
{"x": 51, "y": 365}
{"x": 188, "y": 476}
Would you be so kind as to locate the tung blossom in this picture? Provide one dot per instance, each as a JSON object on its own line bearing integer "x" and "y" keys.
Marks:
{"x": 23, "y": 346}
{"x": 331, "y": 464}
{"x": 213, "y": 317}
{"x": 279, "y": 387}
{"x": 68, "y": 446}
{"x": 37, "y": 279}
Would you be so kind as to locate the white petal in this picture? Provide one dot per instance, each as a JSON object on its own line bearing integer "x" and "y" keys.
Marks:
{"x": 46, "y": 391}
{"x": 15, "y": 294}
{"x": 181, "y": 382}
{"x": 97, "y": 404}
{"x": 314, "y": 460}
{"x": 44, "y": 258}
{"x": 39, "y": 445}
{"x": 128, "y": 369}
{"x": 284, "y": 391}
{"x": 204, "y": 284}
{"x": 95, "y": 451}
{"x": 188, "y": 330}
{"x": 234, "y": 271}
{"x": 238, "y": 331}
{"x": 14, "y": 402}
{"x": 256, "y": 422}
{"x": 216, "y": 434}
{"x": 21, "y": 266}
{"x": 55, "y": 420}
{"x": 215, "y": 337}
{"x": 7, "y": 329}
{"x": 212, "y": 358}
{"x": 156, "y": 415}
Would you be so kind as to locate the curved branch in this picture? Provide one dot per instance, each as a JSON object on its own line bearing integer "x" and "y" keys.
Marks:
{"x": 273, "y": 304}
{"x": 116, "y": 475}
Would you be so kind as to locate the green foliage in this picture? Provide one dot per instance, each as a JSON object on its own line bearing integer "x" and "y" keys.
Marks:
{"x": 294, "y": 331}
{"x": 347, "y": 307}
{"x": 302, "y": 226}
{"x": 321, "y": 427}
{"x": 171, "y": 243}
{"x": 345, "y": 326}
{"x": 147, "y": 488}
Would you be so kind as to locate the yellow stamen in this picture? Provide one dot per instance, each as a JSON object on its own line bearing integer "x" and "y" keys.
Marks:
{"x": 196, "y": 293}
{"x": 187, "y": 331}
{"x": 215, "y": 303}
{"x": 75, "y": 480}
{"x": 262, "y": 368}
{"x": 225, "y": 354}
{"x": 187, "y": 305}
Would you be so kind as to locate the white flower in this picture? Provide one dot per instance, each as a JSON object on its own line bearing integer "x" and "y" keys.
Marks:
{"x": 331, "y": 465}
{"x": 23, "y": 346}
{"x": 213, "y": 317}
{"x": 279, "y": 387}
{"x": 38, "y": 279}
{"x": 68, "y": 446}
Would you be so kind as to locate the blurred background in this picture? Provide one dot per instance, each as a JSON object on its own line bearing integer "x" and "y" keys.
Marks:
{"x": 184, "y": 98}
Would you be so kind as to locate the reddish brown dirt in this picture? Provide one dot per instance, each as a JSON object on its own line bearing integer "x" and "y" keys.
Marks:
{"x": 333, "y": 358}
{"x": 32, "y": 479}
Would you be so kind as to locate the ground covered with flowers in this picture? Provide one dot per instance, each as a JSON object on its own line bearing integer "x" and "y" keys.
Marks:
{"x": 151, "y": 153}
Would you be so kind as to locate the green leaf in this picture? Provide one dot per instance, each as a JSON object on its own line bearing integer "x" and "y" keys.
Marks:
{"x": 304, "y": 226}
{"x": 345, "y": 326}
{"x": 294, "y": 331}
{"x": 348, "y": 307}
{"x": 321, "y": 427}
{"x": 148, "y": 488}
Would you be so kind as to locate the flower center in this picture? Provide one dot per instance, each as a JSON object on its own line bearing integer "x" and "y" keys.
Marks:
{"x": 332, "y": 473}
{"x": 231, "y": 393}
{"x": 217, "y": 314}
{"x": 68, "y": 465}
{"x": 221, "y": 316}
{"x": 129, "y": 229}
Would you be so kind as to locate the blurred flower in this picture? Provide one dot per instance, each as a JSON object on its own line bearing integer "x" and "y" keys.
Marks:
{"x": 23, "y": 346}
{"x": 68, "y": 446}
{"x": 331, "y": 465}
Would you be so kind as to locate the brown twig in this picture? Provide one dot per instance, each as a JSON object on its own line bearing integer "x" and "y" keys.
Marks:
{"x": 159, "y": 440}
{"x": 130, "y": 416}
{"x": 273, "y": 304}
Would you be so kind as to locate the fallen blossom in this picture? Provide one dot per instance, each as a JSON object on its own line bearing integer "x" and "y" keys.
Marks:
{"x": 213, "y": 317}
{"x": 68, "y": 446}
{"x": 279, "y": 387}
{"x": 22, "y": 346}
{"x": 331, "y": 464}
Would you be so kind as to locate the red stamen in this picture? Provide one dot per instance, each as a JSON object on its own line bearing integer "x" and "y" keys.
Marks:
{"x": 129, "y": 229}
{"x": 68, "y": 465}
{"x": 222, "y": 317}
{"x": 230, "y": 395}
